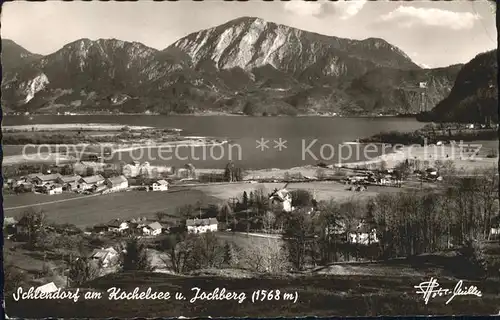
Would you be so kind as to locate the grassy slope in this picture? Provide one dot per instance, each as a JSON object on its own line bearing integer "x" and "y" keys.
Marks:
{"x": 318, "y": 295}
{"x": 99, "y": 209}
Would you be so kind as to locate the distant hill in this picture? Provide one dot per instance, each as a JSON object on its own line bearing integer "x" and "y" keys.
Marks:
{"x": 474, "y": 96}
{"x": 13, "y": 55}
{"x": 245, "y": 65}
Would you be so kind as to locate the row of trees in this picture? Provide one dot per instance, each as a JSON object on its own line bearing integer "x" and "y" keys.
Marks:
{"x": 407, "y": 223}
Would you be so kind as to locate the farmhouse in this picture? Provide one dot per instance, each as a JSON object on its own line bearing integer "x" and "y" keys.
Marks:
{"x": 160, "y": 185}
{"x": 68, "y": 179}
{"x": 117, "y": 183}
{"x": 117, "y": 225}
{"x": 105, "y": 257}
{"x": 152, "y": 229}
{"x": 52, "y": 189}
{"x": 201, "y": 225}
{"x": 45, "y": 178}
{"x": 87, "y": 183}
{"x": 282, "y": 199}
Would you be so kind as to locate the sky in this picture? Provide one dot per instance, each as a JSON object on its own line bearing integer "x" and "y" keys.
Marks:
{"x": 432, "y": 33}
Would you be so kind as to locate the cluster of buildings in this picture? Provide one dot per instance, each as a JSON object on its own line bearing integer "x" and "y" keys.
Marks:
{"x": 382, "y": 178}
{"x": 202, "y": 225}
{"x": 147, "y": 227}
{"x": 139, "y": 226}
{"x": 56, "y": 183}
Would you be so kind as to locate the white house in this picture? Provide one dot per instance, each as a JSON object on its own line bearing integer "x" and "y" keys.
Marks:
{"x": 106, "y": 257}
{"x": 45, "y": 178}
{"x": 160, "y": 185}
{"x": 201, "y": 225}
{"x": 117, "y": 183}
{"x": 283, "y": 199}
{"x": 47, "y": 288}
{"x": 52, "y": 189}
{"x": 117, "y": 225}
{"x": 90, "y": 182}
{"x": 363, "y": 234}
{"x": 68, "y": 179}
{"x": 152, "y": 229}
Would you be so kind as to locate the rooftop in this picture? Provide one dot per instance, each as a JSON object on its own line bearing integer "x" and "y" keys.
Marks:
{"x": 201, "y": 222}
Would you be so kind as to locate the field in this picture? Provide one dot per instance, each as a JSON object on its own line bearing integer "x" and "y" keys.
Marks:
{"x": 84, "y": 212}
{"x": 326, "y": 190}
{"x": 319, "y": 295}
{"x": 243, "y": 240}
{"x": 463, "y": 158}
{"x": 232, "y": 190}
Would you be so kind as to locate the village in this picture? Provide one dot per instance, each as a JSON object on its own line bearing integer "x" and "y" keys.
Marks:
{"x": 248, "y": 212}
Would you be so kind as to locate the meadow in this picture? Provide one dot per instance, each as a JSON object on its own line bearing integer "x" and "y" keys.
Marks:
{"x": 88, "y": 211}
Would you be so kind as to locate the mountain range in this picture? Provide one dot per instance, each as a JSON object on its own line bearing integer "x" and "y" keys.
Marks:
{"x": 246, "y": 65}
{"x": 474, "y": 96}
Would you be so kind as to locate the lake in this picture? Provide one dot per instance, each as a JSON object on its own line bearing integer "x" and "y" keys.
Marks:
{"x": 304, "y": 140}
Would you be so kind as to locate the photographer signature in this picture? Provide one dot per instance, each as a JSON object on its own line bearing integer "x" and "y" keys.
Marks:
{"x": 432, "y": 289}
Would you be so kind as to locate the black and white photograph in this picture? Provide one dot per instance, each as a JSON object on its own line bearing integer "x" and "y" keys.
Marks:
{"x": 250, "y": 159}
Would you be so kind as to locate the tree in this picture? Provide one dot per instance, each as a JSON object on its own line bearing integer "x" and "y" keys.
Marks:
{"x": 67, "y": 170}
{"x": 268, "y": 221}
{"x": 135, "y": 256}
{"x": 34, "y": 222}
{"x": 13, "y": 279}
{"x": 251, "y": 199}
{"x": 230, "y": 254}
{"x": 320, "y": 174}
{"x": 225, "y": 212}
{"x": 270, "y": 257}
{"x": 383, "y": 166}
{"x": 83, "y": 270}
{"x": 297, "y": 234}
{"x": 229, "y": 172}
{"x": 178, "y": 251}
{"x": 208, "y": 252}
{"x": 244, "y": 200}
{"x": 160, "y": 215}
{"x": 301, "y": 198}
{"x": 89, "y": 171}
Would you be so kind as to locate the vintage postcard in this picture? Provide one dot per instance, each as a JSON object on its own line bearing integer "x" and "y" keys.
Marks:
{"x": 250, "y": 158}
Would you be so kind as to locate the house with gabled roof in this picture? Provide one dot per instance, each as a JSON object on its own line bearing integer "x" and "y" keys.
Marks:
{"x": 201, "y": 225}
{"x": 105, "y": 257}
{"x": 117, "y": 225}
{"x": 52, "y": 188}
{"x": 282, "y": 199}
{"x": 116, "y": 183}
{"x": 42, "y": 179}
{"x": 160, "y": 185}
{"x": 90, "y": 182}
{"x": 68, "y": 179}
{"x": 152, "y": 229}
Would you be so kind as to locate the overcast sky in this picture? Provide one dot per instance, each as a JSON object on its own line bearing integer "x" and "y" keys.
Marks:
{"x": 434, "y": 34}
